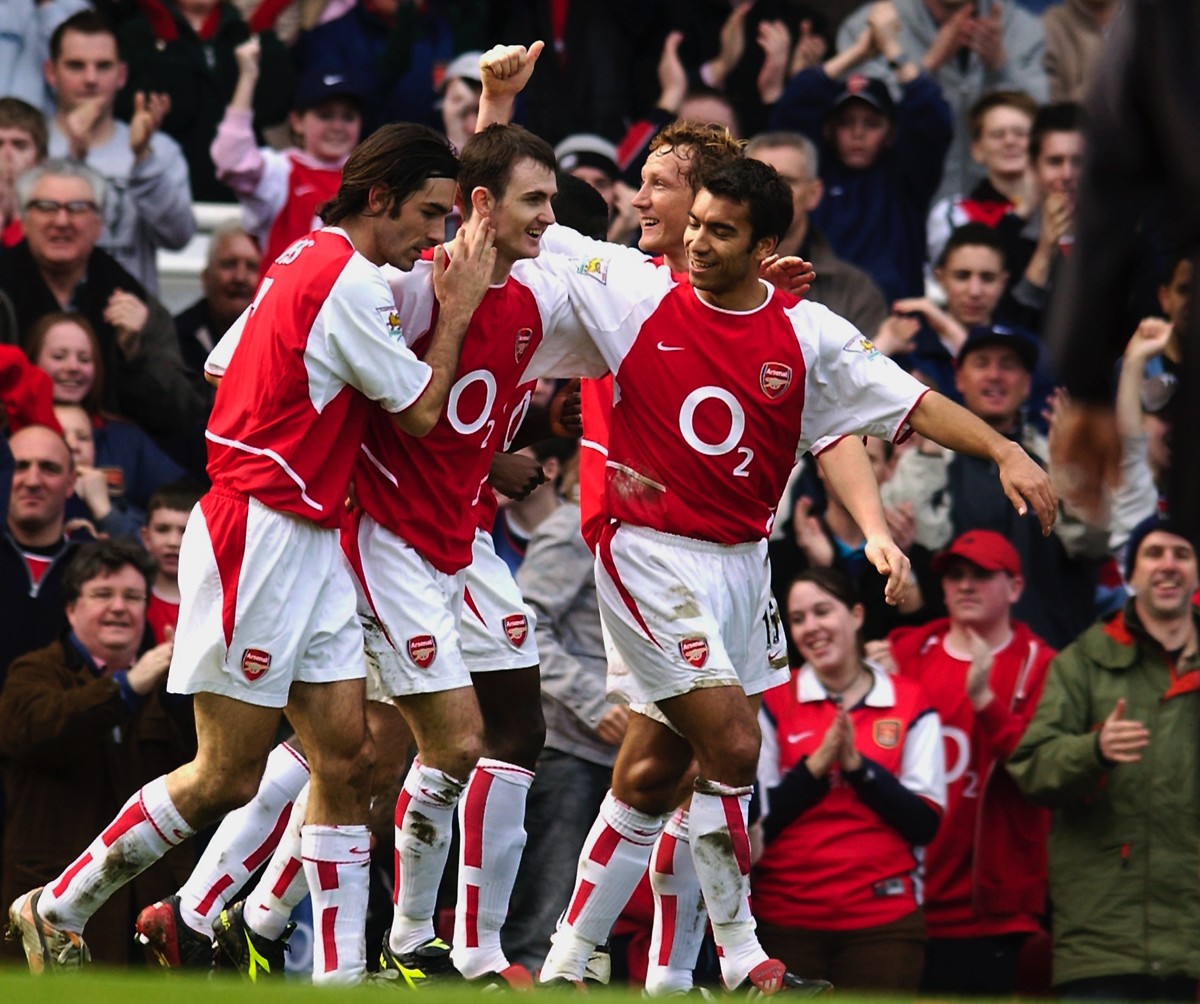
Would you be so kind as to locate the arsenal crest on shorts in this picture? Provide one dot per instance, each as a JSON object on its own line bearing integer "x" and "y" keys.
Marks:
{"x": 524, "y": 337}
{"x": 422, "y": 649}
{"x": 694, "y": 651}
{"x": 255, "y": 662}
{"x": 887, "y": 733}
{"x": 517, "y": 628}
{"x": 775, "y": 379}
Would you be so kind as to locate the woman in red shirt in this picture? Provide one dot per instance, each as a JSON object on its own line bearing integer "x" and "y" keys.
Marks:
{"x": 853, "y": 786}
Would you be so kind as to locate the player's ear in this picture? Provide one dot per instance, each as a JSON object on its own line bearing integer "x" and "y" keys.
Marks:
{"x": 481, "y": 200}
{"x": 763, "y": 248}
{"x": 377, "y": 199}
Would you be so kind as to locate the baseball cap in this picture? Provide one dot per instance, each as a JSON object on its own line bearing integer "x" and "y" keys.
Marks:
{"x": 316, "y": 87}
{"x": 862, "y": 88}
{"x": 585, "y": 149}
{"x": 988, "y": 335}
{"x": 465, "y": 65}
{"x": 984, "y": 548}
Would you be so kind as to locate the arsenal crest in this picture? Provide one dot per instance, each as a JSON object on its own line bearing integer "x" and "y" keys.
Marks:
{"x": 524, "y": 337}
{"x": 255, "y": 662}
{"x": 422, "y": 649}
{"x": 775, "y": 379}
{"x": 694, "y": 651}
{"x": 517, "y": 629}
{"x": 887, "y": 733}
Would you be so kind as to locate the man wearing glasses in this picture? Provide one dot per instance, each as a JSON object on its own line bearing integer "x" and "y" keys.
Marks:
{"x": 83, "y": 723}
{"x": 59, "y": 267}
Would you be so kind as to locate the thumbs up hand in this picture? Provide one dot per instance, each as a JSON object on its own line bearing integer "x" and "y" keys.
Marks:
{"x": 1121, "y": 740}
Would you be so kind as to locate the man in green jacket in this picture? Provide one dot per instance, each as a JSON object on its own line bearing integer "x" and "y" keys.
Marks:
{"x": 1113, "y": 749}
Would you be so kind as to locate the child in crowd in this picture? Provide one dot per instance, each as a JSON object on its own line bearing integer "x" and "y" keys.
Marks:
{"x": 881, "y": 160}
{"x": 1000, "y": 123}
{"x": 166, "y": 517}
{"x": 281, "y": 190}
{"x": 99, "y": 494}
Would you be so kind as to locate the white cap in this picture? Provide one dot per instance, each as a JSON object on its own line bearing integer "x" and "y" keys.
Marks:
{"x": 464, "y": 65}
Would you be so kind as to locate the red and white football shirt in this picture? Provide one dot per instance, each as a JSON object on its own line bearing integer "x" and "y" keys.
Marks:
{"x": 299, "y": 370}
{"x": 972, "y": 855}
{"x": 429, "y": 491}
{"x": 712, "y": 407}
{"x": 838, "y": 866}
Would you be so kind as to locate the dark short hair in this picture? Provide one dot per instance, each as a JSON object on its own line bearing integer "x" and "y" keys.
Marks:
{"x": 99, "y": 556}
{"x": 86, "y": 22}
{"x": 18, "y": 114}
{"x": 580, "y": 207}
{"x": 971, "y": 235}
{"x": 401, "y": 157}
{"x": 1065, "y": 116}
{"x": 759, "y": 188}
{"x": 179, "y": 496}
{"x": 830, "y": 580}
{"x": 561, "y": 448}
{"x": 488, "y": 158}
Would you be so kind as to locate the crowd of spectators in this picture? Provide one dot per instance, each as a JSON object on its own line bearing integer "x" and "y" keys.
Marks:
{"x": 933, "y": 150}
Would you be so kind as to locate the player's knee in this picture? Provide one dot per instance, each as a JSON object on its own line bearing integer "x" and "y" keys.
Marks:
{"x": 647, "y": 786}
{"x": 518, "y": 738}
{"x": 734, "y": 760}
{"x": 230, "y": 789}
{"x": 455, "y": 755}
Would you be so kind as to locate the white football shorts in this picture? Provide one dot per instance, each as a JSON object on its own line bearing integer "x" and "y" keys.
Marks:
{"x": 682, "y": 614}
{"x": 424, "y": 633}
{"x": 267, "y": 599}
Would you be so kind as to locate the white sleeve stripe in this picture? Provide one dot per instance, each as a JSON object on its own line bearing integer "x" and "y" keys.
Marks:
{"x": 270, "y": 455}
{"x": 589, "y": 444}
{"x": 379, "y": 466}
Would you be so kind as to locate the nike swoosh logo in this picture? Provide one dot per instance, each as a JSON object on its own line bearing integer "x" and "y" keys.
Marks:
{"x": 669, "y": 348}
{"x": 795, "y": 737}
{"x": 358, "y": 850}
{"x": 305, "y": 189}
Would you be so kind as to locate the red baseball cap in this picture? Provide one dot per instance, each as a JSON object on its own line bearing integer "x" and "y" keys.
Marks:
{"x": 984, "y": 548}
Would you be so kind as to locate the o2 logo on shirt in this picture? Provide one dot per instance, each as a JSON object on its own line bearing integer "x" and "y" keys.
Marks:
{"x": 737, "y": 425}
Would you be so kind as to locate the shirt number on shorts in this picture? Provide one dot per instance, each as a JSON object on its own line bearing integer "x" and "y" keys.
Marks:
{"x": 737, "y": 425}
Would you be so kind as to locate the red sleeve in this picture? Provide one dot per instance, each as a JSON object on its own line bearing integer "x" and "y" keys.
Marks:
{"x": 596, "y": 405}
{"x": 26, "y": 392}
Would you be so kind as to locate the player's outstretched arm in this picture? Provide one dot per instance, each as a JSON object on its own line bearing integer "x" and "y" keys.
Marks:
{"x": 846, "y": 469}
{"x": 504, "y": 71}
{"x": 459, "y": 286}
{"x": 1023, "y": 480}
